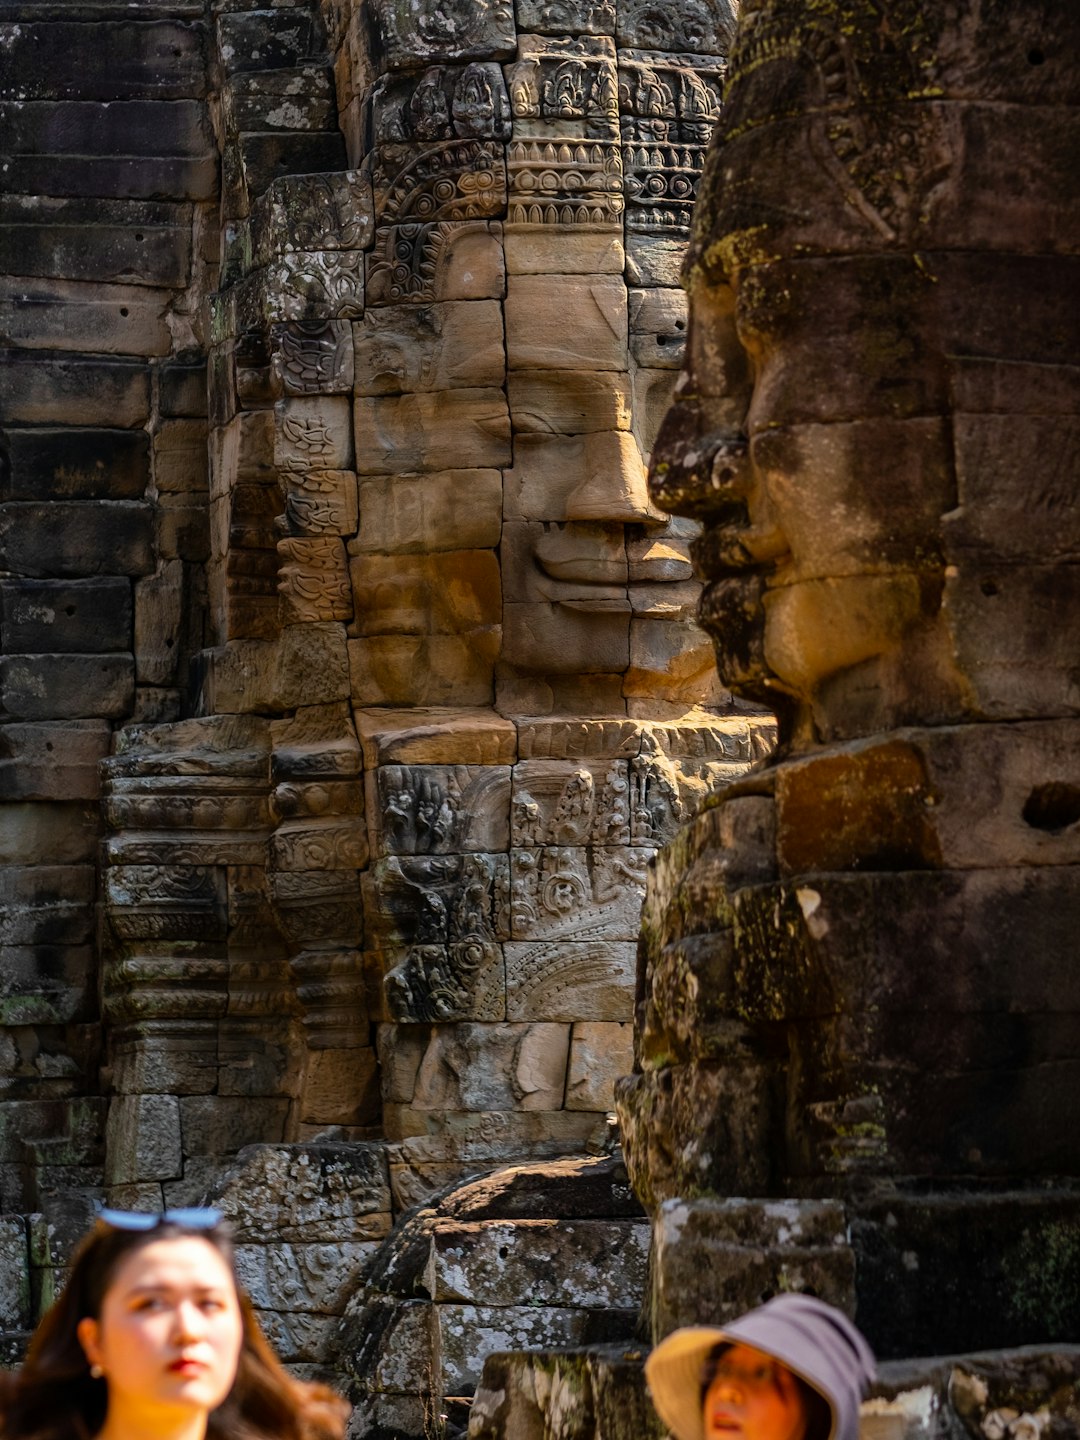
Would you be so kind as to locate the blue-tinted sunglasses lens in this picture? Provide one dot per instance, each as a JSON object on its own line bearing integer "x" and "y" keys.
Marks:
{"x": 193, "y": 1218}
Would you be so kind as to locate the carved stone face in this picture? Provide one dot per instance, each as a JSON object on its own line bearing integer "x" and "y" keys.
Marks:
{"x": 809, "y": 433}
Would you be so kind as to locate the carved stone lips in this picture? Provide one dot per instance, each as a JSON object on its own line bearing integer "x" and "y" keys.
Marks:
{"x": 587, "y": 568}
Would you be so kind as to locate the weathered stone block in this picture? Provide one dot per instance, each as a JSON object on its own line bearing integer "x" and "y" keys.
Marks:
{"x": 312, "y": 433}
{"x": 714, "y": 1259}
{"x": 558, "y": 250}
{"x": 58, "y": 314}
{"x": 460, "y": 32}
{"x": 435, "y": 736}
{"x": 53, "y": 463}
{"x": 53, "y": 761}
{"x": 537, "y": 337}
{"x": 143, "y": 1139}
{"x": 599, "y": 1054}
{"x": 488, "y": 1067}
{"x": 97, "y": 240}
{"x": 449, "y": 260}
{"x": 289, "y": 1277}
{"x": 76, "y": 538}
{"x": 570, "y": 979}
{"x": 106, "y": 60}
{"x": 438, "y": 809}
{"x": 43, "y": 687}
{"x": 43, "y": 389}
{"x": 468, "y": 1334}
{"x": 433, "y": 431}
{"x": 424, "y": 669}
{"x": 39, "y": 616}
{"x": 580, "y": 1264}
{"x": 573, "y": 402}
{"x": 404, "y": 348}
{"x": 216, "y": 1125}
{"x": 658, "y": 327}
{"x": 423, "y": 514}
{"x": 450, "y": 593}
{"x": 317, "y": 1193}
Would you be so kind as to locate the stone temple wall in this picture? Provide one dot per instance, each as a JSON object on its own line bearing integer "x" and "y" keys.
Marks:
{"x": 349, "y": 679}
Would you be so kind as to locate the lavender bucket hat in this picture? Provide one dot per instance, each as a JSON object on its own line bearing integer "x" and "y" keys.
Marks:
{"x": 815, "y": 1341}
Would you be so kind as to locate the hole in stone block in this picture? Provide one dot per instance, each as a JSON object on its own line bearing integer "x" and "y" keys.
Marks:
{"x": 989, "y": 587}
{"x": 124, "y": 311}
{"x": 1035, "y": 57}
{"x": 1053, "y": 806}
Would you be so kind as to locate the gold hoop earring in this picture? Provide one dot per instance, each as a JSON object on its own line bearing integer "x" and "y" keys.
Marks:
{"x": 96, "y": 1371}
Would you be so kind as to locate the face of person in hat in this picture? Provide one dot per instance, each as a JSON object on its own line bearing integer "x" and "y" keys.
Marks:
{"x": 750, "y": 1396}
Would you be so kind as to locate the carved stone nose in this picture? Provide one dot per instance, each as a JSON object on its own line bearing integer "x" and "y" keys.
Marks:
{"x": 615, "y": 487}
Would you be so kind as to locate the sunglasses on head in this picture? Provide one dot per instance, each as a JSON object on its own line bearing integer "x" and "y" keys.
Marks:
{"x": 192, "y": 1218}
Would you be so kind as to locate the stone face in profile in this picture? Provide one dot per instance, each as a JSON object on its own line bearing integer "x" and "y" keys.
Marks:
{"x": 831, "y": 344}
{"x": 852, "y": 968}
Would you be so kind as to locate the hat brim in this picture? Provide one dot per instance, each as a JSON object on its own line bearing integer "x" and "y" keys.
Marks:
{"x": 673, "y": 1372}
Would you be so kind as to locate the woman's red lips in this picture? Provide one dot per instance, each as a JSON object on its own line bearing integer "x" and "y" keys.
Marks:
{"x": 186, "y": 1366}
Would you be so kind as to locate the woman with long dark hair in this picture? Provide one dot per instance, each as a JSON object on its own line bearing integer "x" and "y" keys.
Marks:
{"x": 152, "y": 1339}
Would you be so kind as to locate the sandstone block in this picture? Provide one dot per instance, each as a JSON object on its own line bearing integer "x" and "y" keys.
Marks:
{"x": 76, "y": 538}
{"x": 15, "y": 1306}
{"x": 558, "y": 250}
{"x": 298, "y": 1337}
{"x": 435, "y": 736}
{"x": 451, "y": 593}
{"x": 572, "y": 804}
{"x": 54, "y": 314}
{"x": 713, "y": 1259}
{"x": 44, "y": 687}
{"x": 537, "y": 337}
{"x": 442, "y": 901}
{"x": 341, "y": 1087}
{"x": 450, "y": 260}
{"x": 215, "y": 1125}
{"x": 143, "y": 1139}
{"x": 438, "y": 809}
{"x": 317, "y": 1279}
{"x": 480, "y": 1068}
{"x": 670, "y": 659}
{"x": 159, "y": 622}
{"x": 658, "y": 327}
{"x": 447, "y": 510}
{"x": 70, "y": 462}
{"x": 432, "y": 431}
{"x": 321, "y": 502}
{"x": 482, "y": 1141}
{"x": 573, "y": 565}
{"x": 599, "y": 1054}
{"x": 388, "y": 1344}
{"x": 424, "y": 669}
{"x": 570, "y": 979}
{"x": 180, "y": 456}
{"x": 308, "y": 666}
{"x": 56, "y": 834}
{"x": 75, "y": 616}
{"x": 53, "y": 761}
{"x": 589, "y": 892}
{"x": 654, "y": 259}
{"x": 573, "y": 1263}
{"x": 463, "y": 980}
{"x": 468, "y": 1334}
{"x": 402, "y": 349}
{"x": 312, "y": 433}
{"x": 598, "y": 476}
{"x": 572, "y": 402}
{"x": 318, "y": 1193}
{"x": 552, "y": 639}
{"x": 74, "y": 390}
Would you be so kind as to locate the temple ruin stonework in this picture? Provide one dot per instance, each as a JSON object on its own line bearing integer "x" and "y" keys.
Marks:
{"x": 350, "y": 679}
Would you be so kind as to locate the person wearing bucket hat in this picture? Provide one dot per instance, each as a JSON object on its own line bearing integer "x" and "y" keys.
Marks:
{"x": 794, "y": 1369}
